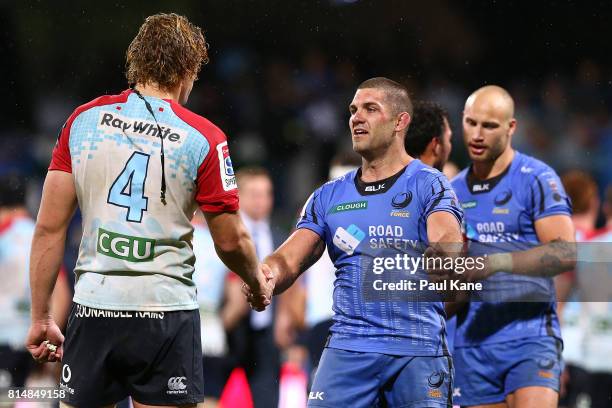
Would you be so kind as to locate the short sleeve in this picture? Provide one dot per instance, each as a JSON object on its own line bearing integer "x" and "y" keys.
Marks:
{"x": 216, "y": 183}
{"x": 547, "y": 195}
{"x": 440, "y": 196}
{"x": 60, "y": 159}
{"x": 313, "y": 215}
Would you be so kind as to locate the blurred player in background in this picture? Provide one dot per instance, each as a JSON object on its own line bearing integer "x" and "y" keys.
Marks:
{"x": 429, "y": 135}
{"x": 584, "y": 194}
{"x": 590, "y": 311}
{"x": 16, "y": 230}
{"x": 380, "y": 350}
{"x": 594, "y": 281}
{"x": 508, "y": 353}
{"x": 261, "y": 358}
{"x": 138, "y": 164}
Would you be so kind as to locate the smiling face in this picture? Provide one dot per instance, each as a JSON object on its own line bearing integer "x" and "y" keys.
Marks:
{"x": 373, "y": 121}
{"x": 488, "y": 124}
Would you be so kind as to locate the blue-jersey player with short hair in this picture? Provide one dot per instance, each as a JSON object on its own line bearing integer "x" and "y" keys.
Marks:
{"x": 507, "y": 353}
{"x": 384, "y": 347}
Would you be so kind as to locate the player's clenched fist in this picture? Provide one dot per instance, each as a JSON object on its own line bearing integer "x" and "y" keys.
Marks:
{"x": 45, "y": 341}
{"x": 259, "y": 292}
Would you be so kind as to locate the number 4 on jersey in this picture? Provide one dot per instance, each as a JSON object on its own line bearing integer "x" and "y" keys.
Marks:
{"x": 127, "y": 190}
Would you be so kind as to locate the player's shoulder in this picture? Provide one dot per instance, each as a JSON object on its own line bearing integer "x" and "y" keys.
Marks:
{"x": 347, "y": 178}
{"x": 334, "y": 187}
{"x": 202, "y": 125}
{"x": 419, "y": 170}
{"x": 460, "y": 177}
{"x": 102, "y": 100}
{"x": 529, "y": 166}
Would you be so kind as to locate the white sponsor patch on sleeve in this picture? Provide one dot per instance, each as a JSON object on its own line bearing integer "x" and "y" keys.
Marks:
{"x": 228, "y": 179}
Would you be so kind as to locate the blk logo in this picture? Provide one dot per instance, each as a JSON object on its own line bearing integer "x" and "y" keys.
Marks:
{"x": 318, "y": 395}
{"x": 372, "y": 189}
{"x": 481, "y": 187}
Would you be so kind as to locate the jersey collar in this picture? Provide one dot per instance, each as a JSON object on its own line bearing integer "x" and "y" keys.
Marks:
{"x": 477, "y": 186}
{"x": 379, "y": 186}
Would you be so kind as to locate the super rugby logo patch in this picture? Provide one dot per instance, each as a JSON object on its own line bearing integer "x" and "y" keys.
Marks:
{"x": 228, "y": 179}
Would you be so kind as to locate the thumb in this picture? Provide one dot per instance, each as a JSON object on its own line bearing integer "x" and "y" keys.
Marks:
{"x": 267, "y": 271}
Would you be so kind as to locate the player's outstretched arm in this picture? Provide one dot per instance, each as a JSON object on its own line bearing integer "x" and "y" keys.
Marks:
{"x": 237, "y": 251}
{"x": 298, "y": 253}
{"x": 56, "y": 209}
{"x": 557, "y": 253}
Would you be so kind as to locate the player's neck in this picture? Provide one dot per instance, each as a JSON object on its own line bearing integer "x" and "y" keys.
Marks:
{"x": 487, "y": 170}
{"x": 379, "y": 168}
{"x": 427, "y": 158}
{"x": 155, "y": 91}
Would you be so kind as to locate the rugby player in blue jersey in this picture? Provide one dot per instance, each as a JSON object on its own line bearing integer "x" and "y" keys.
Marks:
{"x": 383, "y": 348}
{"x": 507, "y": 353}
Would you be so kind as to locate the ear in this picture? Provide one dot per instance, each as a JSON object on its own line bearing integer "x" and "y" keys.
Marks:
{"x": 434, "y": 146}
{"x": 512, "y": 127}
{"x": 403, "y": 121}
{"x": 437, "y": 146}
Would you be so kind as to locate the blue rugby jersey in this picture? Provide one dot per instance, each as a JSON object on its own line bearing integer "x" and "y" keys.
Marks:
{"x": 500, "y": 215}
{"x": 362, "y": 222}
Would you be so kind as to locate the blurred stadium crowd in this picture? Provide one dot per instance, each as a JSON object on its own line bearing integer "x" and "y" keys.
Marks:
{"x": 286, "y": 113}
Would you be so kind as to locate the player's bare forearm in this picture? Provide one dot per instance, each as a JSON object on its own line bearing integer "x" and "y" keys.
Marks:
{"x": 302, "y": 249}
{"x": 547, "y": 260}
{"x": 45, "y": 262}
{"x": 56, "y": 209}
{"x": 557, "y": 253}
{"x": 233, "y": 244}
{"x": 242, "y": 259}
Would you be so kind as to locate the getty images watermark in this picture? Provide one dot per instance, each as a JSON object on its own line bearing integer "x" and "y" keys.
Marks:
{"x": 410, "y": 266}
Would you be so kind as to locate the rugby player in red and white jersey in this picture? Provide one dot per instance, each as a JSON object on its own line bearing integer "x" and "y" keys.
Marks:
{"x": 138, "y": 164}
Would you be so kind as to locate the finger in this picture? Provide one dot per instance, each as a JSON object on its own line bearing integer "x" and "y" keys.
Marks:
{"x": 43, "y": 356}
{"x": 267, "y": 271}
{"x": 36, "y": 351}
{"x": 429, "y": 252}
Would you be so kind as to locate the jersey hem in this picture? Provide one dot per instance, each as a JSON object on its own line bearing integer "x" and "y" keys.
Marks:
{"x": 382, "y": 348}
{"x": 523, "y": 337}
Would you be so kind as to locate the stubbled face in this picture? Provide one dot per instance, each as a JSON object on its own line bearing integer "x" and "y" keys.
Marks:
{"x": 444, "y": 147}
{"x": 256, "y": 197}
{"x": 372, "y": 120}
{"x": 487, "y": 128}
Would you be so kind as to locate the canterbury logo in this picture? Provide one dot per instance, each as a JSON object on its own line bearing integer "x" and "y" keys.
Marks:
{"x": 176, "y": 383}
